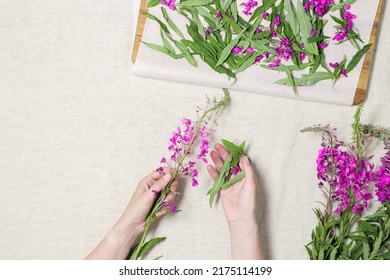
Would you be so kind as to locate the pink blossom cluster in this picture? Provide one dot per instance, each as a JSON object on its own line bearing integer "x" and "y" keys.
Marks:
{"x": 239, "y": 50}
{"x": 249, "y": 6}
{"x": 169, "y": 3}
{"x": 320, "y": 7}
{"x": 383, "y": 178}
{"x": 349, "y": 17}
{"x": 183, "y": 143}
{"x": 349, "y": 176}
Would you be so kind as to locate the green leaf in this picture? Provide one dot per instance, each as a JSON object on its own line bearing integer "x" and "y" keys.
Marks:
{"x": 153, "y": 3}
{"x": 171, "y": 23}
{"x": 166, "y": 43}
{"x": 239, "y": 176}
{"x": 342, "y": 4}
{"x": 231, "y": 147}
{"x": 306, "y": 29}
{"x": 308, "y": 79}
{"x": 333, "y": 254}
{"x": 357, "y": 57}
{"x": 317, "y": 38}
{"x": 262, "y": 8}
{"x": 225, "y": 4}
{"x": 162, "y": 25}
{"x": 339, "y": 21}
{"x": 190, "y": 59}
{"x": 148, "y": 245}
{"x": 228, "y": 49}
{"x": 249, "y": 61}
{"x": 157, "y": 47}
{"x": 192, "y": 3}
{"x": 220, "y": 180}
{"x": 292, "y": 17}
{"x": 366, "y": 227}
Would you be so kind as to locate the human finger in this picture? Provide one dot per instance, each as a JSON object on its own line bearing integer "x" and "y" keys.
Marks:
{"x": 218, "y": 162}
{"x": 212, "y": 172}
{"x": 222, "y": 151}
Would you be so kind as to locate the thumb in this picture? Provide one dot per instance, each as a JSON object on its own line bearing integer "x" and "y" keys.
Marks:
{"x": 246, "y": 166}
{"x": 160, "y": 184}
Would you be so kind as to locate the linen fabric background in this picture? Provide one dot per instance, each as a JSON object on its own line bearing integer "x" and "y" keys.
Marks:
{"x": 78, "y": 131}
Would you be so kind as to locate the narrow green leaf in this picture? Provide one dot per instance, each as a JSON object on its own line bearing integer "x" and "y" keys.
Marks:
{"x": 225, "y": 4}
{"x": 148, "y": 245}
{"x": 153, "y": 3}
{"x": 239, "y": 176}
{"x": 162, "y": 25}
{"x": 171, "y": 23}
{"x": 292, "y": 17}
{"x": 357, "y": 57}
{"x": 339, "y": 21}
{"x": 220, "y": 180}
{"x": 192, "y": 3}
{"x": 157, "y": 47}
{"x": 190, "y": 59}
{"x": 262, "y": 8}
{"x": 228, "y": 49}
{"x": 249, "y": 61}
{"x": 231, "y": 147}
{"x": 166, "y": 43}
{"x": 317, "y": 38}
{"x": 306, "y": 29}
{"x": 342, "y": 4}
{"x": 307, "y": 79}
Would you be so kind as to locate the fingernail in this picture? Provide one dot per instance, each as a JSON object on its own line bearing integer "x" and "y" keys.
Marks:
{"x": 167, "y": 177}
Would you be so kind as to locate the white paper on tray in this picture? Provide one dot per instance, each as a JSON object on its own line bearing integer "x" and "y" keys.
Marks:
{"x": 255, "y": 79}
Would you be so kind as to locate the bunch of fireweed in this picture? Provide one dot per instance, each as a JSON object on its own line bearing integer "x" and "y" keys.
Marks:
{"x": 350, "y": 183}
{"x": 278, "y": 35}
{"x": 187, "y": 144}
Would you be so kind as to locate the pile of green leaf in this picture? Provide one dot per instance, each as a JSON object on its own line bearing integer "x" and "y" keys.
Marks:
{"x": 235, "y": 29}
{"x": 225, "y": 178}
{"x": 333, "y": 238}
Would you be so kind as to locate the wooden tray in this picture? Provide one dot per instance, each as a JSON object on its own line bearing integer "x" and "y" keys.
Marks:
{"x": 361, "y": 91}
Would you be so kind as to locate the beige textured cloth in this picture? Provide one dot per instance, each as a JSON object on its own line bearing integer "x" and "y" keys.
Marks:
{"x": 78, "y": 131}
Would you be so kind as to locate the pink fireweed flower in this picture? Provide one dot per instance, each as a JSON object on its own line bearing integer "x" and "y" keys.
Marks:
{"x": 208, "y": 31}
{"x": 273, "y": 35}
{"x": 249, "y": 6}
{"x": 218, "y": 14}
{"x": 160, "y": 169}
{"x": 351, "y": 180}
{"x": 383, "y": 178}
{"x": 344, "y": 72}
{"x": 173, "y": 208}
{"x": 319, "y": 7}
{"x": 155, "y": 193}
{"x": 169, "y": 4}
{"x": 250, "y": 49}
{"x": 334, "y": 65}
{"x": 163, "y": 160}
{"x": 236, "y": 50}
{"x": 165, "y": 203}
{"x": 277, "y": 20}
{"x": 276, "y": 63}
{"x": 322, "y": 45}
{"x": 235, "y": 170}
{"x": 340, "y": 35}
{"x": 314, "y": 32}
{"x": 259, "y": 58}
{"x": 265, "y": 15}
{"x": 284, "y": 49}
{"x": 302, "y": 55}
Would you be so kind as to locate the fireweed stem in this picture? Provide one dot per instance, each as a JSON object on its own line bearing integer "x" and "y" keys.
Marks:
{"x": 220, "y": 106}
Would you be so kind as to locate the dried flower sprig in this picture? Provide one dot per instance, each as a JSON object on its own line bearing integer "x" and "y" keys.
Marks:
{"x": 276, "y": 35}
{"x": 349, "y": 181}
{"x": 187, "y": 141}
